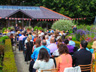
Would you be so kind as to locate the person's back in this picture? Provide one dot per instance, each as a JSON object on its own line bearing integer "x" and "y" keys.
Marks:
{"x": 43, "y": 62}
{"x": 36, "y": 52}
{"x": 52, "y": 45}
{"x": 65, "y": 61}
{"x": 82, "y": 57}
{"x": 43, "y": 65}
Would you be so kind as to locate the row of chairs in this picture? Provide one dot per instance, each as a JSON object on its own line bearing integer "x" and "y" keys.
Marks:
{"x": 83, "y": 68}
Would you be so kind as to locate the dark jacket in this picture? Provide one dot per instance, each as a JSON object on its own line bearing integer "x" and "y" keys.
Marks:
{"x": 82, "y": 57}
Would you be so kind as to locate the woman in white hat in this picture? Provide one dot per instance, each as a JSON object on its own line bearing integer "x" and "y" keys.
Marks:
{"x": 94, "y": 55}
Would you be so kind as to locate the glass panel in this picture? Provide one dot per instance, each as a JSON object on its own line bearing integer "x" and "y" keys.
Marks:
{"x": 20, "y": 7}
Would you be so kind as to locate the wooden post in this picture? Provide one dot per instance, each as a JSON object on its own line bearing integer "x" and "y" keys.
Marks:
{"x": 22, "y": 20}
{"x": 8, "y": 23}
{"x": 29, "y": 23}
{"x": 47, "y": 26}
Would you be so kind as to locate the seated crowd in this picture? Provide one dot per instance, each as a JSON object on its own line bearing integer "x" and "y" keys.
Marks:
{"x": 49, "y": 50}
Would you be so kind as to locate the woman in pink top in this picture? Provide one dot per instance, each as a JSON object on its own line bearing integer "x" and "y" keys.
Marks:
{"x": 65, "y": 59}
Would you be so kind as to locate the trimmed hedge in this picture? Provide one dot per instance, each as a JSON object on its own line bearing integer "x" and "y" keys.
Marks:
{"x": 9, "y": 64}
{"x": 77, "y": 43}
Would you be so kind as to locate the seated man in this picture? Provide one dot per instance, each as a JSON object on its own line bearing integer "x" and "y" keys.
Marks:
{"x": 83, "y": 56}
{"x": 52, "y": 45}
{"x": 71, "y": 42}
{"x": 70, "y": 47}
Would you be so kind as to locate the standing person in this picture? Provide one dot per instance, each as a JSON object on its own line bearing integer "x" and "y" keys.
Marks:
{"x": 43, "y": 62}
{"x": 29, "y": 46}
{"x": 74, "y": 29}
{"x": 16, "y": 28}
{"x": 11, "y": 37}
{"x": 65, "y": 59}
{"x": 94, "y": 55}
{"x": 83, "y": 56}
{"x": 21, "y": 42}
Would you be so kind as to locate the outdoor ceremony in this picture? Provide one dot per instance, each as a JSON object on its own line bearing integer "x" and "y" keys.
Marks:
{"x": 47, "y": 36}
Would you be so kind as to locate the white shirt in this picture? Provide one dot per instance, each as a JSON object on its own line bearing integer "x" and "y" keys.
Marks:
{"x": 55, "y": 53}
{"x": 42, "y": 65}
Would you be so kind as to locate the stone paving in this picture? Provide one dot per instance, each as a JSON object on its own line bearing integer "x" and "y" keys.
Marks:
{"x": 22, "y": 66}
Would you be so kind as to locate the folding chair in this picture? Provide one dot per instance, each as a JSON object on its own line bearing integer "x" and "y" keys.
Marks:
{"x": 50, "y": 70}
{"x": 86, "y": 67}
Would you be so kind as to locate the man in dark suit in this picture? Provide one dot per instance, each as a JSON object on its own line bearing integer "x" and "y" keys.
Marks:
{"x": 83, "y": 56}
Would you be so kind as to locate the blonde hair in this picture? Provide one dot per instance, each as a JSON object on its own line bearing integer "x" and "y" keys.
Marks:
{"x": 18, "y": 32}
{"x": 30, "y": 37}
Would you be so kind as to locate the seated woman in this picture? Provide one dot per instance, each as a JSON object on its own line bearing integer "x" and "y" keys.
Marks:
{"x": 43, "y": 62}
{"x": 94, "y": 55}
{"x": 65, "y": 59}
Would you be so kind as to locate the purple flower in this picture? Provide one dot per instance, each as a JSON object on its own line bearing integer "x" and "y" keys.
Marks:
{"x": 81, "y": 32}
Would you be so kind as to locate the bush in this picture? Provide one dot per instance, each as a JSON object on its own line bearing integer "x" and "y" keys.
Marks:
{"x": 2, "y": 39}
{"x": 77, "y": 44}
{"x": 1, "y": 49}
{"x": 63, "y": 25}
{"x": 4, "y": 29}
{"x": 43, "y": 23}
{"x": 40, "y": 28}
{"x": 35, "y": 28}
{"x": 9, "y": 61}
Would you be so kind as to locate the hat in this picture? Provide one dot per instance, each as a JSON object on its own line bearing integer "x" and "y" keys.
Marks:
{"x": 94, "y": 44}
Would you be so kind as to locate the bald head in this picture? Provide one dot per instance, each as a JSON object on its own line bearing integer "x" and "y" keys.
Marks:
{"x": 44, "y": 42}
{"x": 52, "y": 40}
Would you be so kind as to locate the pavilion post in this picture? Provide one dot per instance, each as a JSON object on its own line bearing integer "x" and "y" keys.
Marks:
{"x": 8, "y": 23}
{"x": 22, "y": 23}
{"x": 22, "y": 20}
{"x": 29, "y": 22}
{"x": 15, "y": 21}
{"x": 47, "y": 25}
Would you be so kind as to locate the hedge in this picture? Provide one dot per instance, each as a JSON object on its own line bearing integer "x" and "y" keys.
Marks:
{"x": 77, "y": 43}
{"x": 9, "y": 64}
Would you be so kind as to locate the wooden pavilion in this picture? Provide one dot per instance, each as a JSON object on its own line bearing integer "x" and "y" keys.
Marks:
{"x": 26, "y": 15}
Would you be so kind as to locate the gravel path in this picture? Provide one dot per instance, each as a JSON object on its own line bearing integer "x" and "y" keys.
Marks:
{"x": 22, "y": 66}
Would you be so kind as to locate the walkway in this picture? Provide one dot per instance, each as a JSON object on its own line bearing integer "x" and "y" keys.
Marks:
{"x": 22, "y": 66}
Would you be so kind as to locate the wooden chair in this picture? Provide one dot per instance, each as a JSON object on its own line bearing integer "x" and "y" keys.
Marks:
{"x": 86, "y": 67}
{"x": 50, "y": 70}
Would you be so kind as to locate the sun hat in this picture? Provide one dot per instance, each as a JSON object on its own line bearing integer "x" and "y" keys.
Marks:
{"x": 94, "y": 44}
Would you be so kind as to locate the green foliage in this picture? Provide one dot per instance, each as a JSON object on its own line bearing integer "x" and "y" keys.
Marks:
{"x": 9, "y": 28}
{"x": 4, "y": 29}
{"x": 1, "y": 49}
{"x": 77, "y": 44}
{"x": 43, "y": 24}
{"x": 2, "y": 39}
{"x": 40, "y": 28}
{"x": 35, "y": 28}
{"x": 63, "y": 25}
{"x": 9, "y": 61}
{"x": 28, "y": 27}
{"x": 71, "y": 8}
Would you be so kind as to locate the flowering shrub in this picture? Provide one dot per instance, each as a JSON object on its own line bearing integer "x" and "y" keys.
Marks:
{"x": 63, "y": 25}
{"x": 80, "y": 35}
